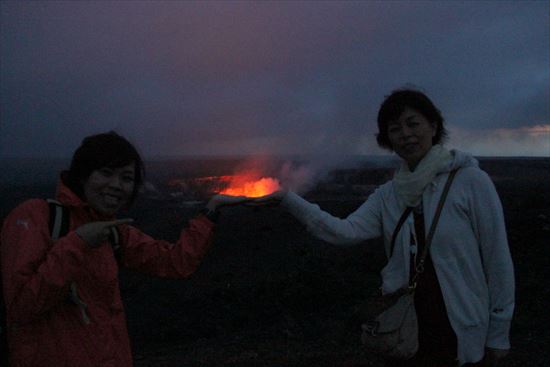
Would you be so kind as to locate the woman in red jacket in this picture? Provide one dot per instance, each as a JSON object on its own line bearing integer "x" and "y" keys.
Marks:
{"x": 62, "y": 296}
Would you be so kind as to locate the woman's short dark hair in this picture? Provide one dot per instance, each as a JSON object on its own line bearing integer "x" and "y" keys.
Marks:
{"x": 103, "y": 150}
{"x": 394, "y": 105}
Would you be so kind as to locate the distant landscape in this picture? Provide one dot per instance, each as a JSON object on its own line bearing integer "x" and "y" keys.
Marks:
{"x": 269, "y": 294}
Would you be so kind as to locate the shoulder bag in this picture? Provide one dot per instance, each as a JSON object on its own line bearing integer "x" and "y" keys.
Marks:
{"x": 393, "y": 333}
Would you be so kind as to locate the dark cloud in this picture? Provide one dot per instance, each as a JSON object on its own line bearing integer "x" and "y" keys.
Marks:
{"x": 245, "y": 77}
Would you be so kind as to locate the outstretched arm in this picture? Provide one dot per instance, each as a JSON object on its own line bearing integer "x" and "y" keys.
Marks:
{"x": 180, "y": 259}
{"x": 363, "y": 224}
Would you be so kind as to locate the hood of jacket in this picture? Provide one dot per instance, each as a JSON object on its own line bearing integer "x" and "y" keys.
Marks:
{"x": 69, "y": 199}
{"x": 460, "y": 160}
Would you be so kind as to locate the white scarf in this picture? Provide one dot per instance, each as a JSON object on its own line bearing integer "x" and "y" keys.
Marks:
{"x": 410, "y": 185}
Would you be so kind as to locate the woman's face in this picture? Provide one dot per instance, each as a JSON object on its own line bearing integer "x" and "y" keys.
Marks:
{"x": 107, "y": 190}
{"x": 411, "y": 136}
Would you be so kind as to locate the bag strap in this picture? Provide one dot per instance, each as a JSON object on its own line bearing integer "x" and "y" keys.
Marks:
{"x": 59, "y": 219}
{"x": 400, "y": 222}
{"x": 419, "y": 269}
{"x": 59, "y": 227}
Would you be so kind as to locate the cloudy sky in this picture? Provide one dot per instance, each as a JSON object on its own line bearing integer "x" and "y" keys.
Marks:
{"x": 186, "y": 78}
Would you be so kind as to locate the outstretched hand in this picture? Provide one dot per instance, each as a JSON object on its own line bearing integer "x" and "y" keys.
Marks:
{"x": 274, "y": 198}
{"x": 96, "y": 233}
{"x": 220, "y": 200}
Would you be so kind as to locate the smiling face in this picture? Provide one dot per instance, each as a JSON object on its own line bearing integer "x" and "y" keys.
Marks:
{"x": 411, "y": 136}
{"x": 107, "y": 190}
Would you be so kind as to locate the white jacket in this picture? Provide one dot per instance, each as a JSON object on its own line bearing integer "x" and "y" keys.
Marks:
{"x": 469, "y": 249}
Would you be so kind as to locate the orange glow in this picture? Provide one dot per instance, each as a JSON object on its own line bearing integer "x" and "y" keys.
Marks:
{"x": 247, "y": 185}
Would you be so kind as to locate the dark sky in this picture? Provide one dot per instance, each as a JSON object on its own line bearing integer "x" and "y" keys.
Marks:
{"x": 181, "y": 78}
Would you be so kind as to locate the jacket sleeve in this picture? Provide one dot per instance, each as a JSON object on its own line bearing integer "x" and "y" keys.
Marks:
{"x": 489, "y": 227}
{"x": 364, "y": 223}
{"x": 36, "y": 273}
{"x": 165, "y": 259}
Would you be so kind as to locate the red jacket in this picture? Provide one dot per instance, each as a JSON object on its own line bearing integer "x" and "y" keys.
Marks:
{"x": 44, "y": 328}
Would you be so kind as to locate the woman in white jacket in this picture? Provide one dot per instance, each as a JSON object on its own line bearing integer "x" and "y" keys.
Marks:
{"x": 465, "y": 297}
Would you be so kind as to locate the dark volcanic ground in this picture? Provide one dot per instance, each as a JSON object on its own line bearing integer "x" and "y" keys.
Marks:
{"x": 269, "y": 294}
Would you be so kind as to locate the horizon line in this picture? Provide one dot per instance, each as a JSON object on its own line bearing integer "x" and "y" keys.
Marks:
{"x": 286, "y": 156}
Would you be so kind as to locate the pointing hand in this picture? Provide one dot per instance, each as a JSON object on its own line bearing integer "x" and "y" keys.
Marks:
{"x": 96, "y": 233}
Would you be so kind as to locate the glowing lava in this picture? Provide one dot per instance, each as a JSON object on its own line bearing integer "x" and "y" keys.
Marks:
{"x": 246, "y": 185}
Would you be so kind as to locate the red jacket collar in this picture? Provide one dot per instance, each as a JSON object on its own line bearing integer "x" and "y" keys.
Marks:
{"x": 66, "y": 196}
{"x": 69, "y": 199}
